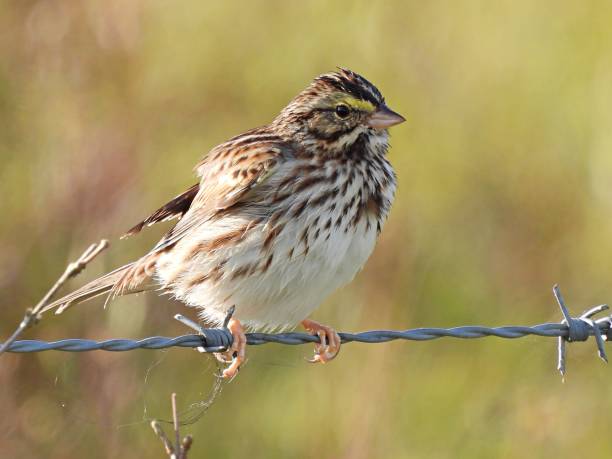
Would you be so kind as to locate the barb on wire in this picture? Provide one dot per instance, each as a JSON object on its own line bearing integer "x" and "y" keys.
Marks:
{"x": 32, "y": 315}
{"x": 220, "y": 336}
{"x": 579, "y": 329}
{"x": 220, "y": 339}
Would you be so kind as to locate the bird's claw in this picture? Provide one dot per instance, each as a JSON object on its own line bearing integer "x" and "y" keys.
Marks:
{"x": 236, "y": 354}
{"x": 329, "y": 347}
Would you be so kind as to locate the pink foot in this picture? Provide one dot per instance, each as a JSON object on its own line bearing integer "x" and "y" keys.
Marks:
{"x": 235, "y": 356}
{"x": 329, "y": 347}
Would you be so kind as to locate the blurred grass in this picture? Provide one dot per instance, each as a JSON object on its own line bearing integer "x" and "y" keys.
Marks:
{"x": 504, "y": 188}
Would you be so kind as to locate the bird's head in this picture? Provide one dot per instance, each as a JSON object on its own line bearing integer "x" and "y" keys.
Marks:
{"x": 336, "y": 109}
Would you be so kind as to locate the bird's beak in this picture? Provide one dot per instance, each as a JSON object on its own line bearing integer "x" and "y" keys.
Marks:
{"x": 384, "y": 118}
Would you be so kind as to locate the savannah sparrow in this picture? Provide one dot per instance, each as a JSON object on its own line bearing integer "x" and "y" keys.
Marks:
{"x": 281, "y": 217}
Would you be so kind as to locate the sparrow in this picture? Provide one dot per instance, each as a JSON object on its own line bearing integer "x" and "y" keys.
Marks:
{"x": 282, "y": 216}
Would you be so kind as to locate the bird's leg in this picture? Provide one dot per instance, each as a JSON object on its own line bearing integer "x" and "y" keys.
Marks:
{"x": 329, "y": 347}
{"x": 236, "y": 353}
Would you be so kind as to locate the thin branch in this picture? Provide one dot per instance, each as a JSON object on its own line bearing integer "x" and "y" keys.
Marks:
{"x": 32, "y": 315}
{"x": 168, "y": 446}
{"x": 177, "y": 435}
{"x": 180, "y": 449}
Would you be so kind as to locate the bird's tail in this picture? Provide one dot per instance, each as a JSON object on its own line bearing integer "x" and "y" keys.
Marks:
{"x": 113, "y": 283}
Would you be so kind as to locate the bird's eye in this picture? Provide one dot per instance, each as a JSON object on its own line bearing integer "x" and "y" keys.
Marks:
{"x": 342, "y": 111}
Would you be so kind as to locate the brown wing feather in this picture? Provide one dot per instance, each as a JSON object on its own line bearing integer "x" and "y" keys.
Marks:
{"x": 231, "y": 174}
{"x": 226, "y": 180}
{"x": 176, "y": 208}
{"x": 227, "y": 176}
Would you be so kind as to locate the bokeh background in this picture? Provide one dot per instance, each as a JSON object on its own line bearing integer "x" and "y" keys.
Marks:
{"x": 505, "y": 187}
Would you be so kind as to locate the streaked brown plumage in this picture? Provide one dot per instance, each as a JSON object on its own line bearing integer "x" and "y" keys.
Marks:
{"x": 282, "y": 215}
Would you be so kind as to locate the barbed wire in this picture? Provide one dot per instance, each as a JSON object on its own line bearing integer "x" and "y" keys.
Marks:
{"x": 220, "y": 339}
{"x": 211, "y": 344}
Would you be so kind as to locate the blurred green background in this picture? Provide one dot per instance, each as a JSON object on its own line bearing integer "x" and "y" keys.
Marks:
{"x": 505, "y": 187}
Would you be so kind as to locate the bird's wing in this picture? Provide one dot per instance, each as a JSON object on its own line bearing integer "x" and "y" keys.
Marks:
{"x": 229, "y": 177}
{"x": 176, "y": 208}
{"x": 226, "y": 181}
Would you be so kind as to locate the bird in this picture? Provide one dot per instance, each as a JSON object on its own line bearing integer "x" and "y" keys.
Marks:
{"x": 281, "y": 216}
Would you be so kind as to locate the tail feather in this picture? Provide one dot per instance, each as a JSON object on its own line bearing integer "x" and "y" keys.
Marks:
{"x": 95, "y": 288}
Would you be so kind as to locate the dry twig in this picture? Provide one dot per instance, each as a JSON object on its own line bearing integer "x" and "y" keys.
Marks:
{"x": 32, "y": 315}
{"x": 180, "y": 448}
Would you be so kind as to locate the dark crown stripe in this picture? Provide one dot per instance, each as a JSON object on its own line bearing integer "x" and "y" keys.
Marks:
{"x": 354, "y": 84}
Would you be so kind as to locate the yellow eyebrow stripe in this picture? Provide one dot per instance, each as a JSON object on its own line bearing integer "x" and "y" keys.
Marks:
{"x": 353, "y": 102}
{"x": 358, "y": 104}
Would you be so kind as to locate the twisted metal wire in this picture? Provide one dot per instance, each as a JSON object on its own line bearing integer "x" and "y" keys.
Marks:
{"x": 220, "y": 339}
{"x": 214, "y": 343}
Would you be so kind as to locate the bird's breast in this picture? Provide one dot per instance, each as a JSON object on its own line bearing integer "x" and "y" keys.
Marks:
{"x": 279, "y": 258}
